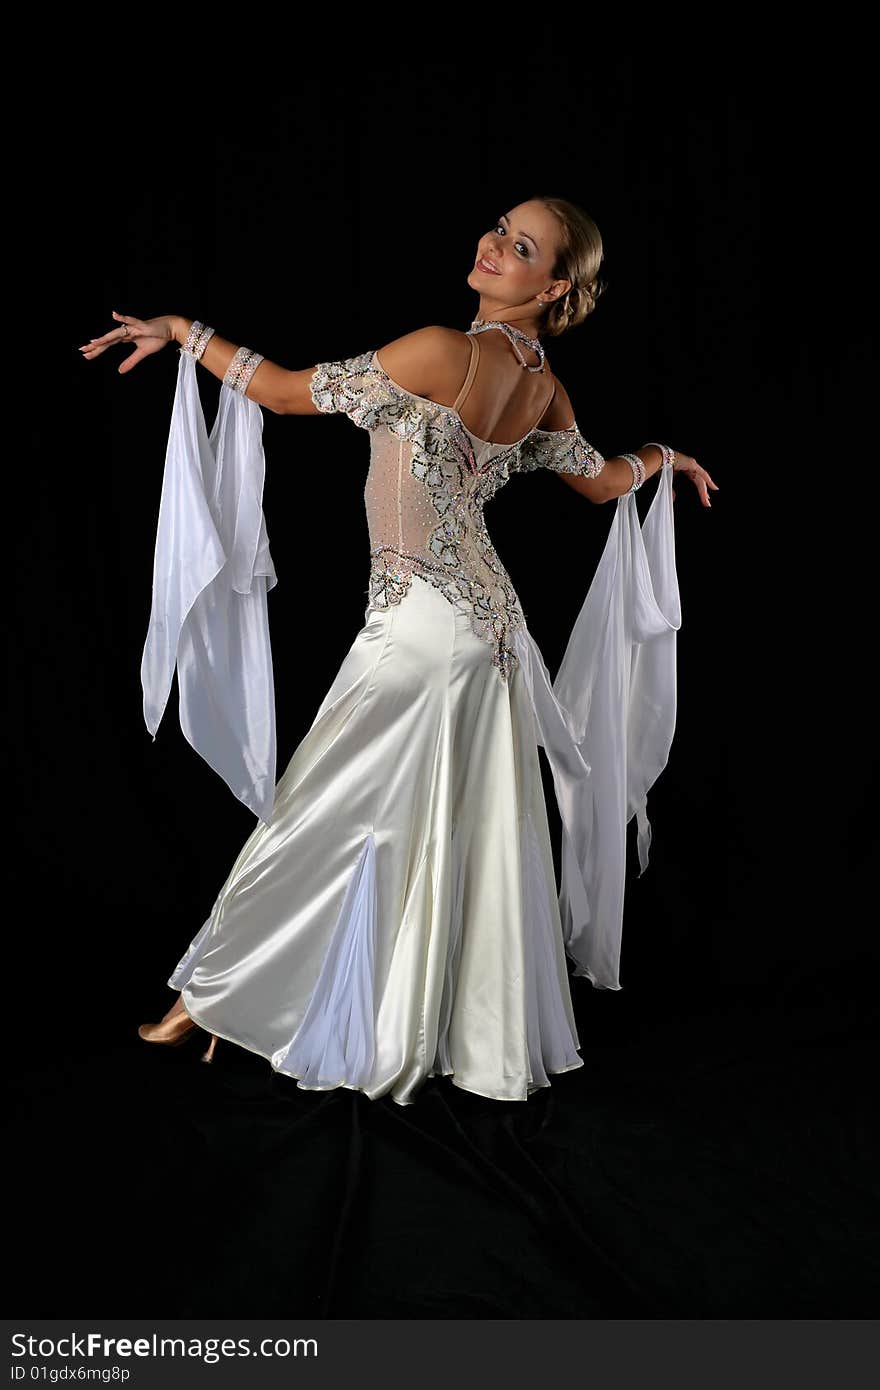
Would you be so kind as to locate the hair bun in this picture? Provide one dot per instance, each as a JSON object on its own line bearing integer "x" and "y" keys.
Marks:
{"x": 578, "y": 257}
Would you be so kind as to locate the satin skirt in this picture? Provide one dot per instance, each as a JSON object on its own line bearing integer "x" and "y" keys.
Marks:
{"x": 398, "y": 918}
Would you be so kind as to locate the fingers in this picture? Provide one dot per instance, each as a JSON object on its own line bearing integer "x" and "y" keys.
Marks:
{"x": 700, "y": 479}
{"x": 95, "y": 346}
{"x": 703, "y": 482}
{"x": 131, "y": 360}
{"x": 700, "y": 482}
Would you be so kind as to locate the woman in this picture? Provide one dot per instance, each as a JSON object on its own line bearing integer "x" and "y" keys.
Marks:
{"x": 394, "y": 915}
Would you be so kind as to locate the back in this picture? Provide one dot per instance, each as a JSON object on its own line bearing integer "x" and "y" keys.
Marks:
{"x": 429, "y": 479}
{"x": 479, "y": 375}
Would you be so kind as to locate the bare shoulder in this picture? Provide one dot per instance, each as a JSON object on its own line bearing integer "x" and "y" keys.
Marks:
{"x": 426, "y": 360}
{"x": 559, "y": 414}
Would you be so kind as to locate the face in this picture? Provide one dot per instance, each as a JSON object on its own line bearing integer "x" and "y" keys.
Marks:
{"x": 522, "y": 247}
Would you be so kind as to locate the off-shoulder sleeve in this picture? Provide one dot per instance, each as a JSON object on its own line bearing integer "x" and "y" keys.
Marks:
{"x": 211, "y": 573}
{"x": 564, "y": 451}
{"x": 355, "y": 386}
{"x": 606, "y": 723}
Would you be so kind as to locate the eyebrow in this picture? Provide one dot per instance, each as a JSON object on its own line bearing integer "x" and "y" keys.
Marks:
{"x": 521, "y": 233}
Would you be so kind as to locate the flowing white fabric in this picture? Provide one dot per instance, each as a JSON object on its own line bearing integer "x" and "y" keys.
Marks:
{"x": 398, "y": 919}
{"x": 212, "y": 571}
{"x": 606, "y": 723}
{"x": 335, "y": 1043}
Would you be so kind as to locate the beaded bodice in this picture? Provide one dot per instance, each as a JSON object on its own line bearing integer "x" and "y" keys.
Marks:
{"x": 428, "y": 482}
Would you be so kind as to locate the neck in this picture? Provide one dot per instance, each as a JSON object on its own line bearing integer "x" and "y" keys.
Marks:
{"x": 516, "y": 314}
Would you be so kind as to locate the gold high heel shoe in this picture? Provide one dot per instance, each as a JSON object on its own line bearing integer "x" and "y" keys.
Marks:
{"x": 174, "y": 1031}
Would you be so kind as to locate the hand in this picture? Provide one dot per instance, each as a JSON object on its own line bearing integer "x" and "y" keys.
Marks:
{"x": 682, "y": 463}
{"x": 146, "y": 335}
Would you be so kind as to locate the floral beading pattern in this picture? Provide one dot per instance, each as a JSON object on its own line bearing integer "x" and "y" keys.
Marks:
{"x": 462, "y": 562}
{"x": 563, "y": 451}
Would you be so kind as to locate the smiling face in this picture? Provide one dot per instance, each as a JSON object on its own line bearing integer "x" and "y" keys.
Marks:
{"x": 514, "y": 263}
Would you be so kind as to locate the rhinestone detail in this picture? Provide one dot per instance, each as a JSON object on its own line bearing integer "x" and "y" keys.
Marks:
{"x": 241, "y": 368}
{"x": 458, "y": 557}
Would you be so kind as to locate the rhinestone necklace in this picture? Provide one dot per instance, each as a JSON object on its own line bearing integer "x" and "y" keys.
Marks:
{"x": 515, "y": 335}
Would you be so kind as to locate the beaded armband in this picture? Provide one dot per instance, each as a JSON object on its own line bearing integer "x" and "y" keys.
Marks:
{"x": 197, "y": 339}
{"x": 668, "y": 454}
{"x": 240, "y": 370}
{"x": 638, "y": 469}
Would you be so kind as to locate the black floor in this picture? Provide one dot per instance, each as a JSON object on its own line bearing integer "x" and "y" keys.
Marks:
{"x": 716, "y": 1164}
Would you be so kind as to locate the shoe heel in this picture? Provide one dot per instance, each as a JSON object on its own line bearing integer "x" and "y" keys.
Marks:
{"x": 209, "y": 1055}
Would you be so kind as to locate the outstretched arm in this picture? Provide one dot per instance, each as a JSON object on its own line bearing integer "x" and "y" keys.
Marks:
{"x": 282, "y": 391}
{"x": 418, "y": 358}
{"x": 279, "y": 390}
{"x": 616, "y": 477}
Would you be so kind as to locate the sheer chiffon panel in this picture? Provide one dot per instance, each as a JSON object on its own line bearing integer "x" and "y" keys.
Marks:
{"x": 607, "y": 723}
{"x": 398, "y": 918}
{"x": 212, "y": 571}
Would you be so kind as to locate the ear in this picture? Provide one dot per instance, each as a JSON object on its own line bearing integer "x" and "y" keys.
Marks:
{"x": 557, "y": 289}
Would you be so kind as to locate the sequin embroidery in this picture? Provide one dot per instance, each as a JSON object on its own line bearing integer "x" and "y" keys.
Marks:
{"x": 426, "y": 490}
{"x": 563, "y": 451}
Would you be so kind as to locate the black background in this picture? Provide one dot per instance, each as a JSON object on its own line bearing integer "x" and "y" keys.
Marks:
{"x": 712, "y": 1157}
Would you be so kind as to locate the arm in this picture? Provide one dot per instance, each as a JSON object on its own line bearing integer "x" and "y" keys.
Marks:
{"x": 422, "y": 362}
{"x": 616, "y": 477}
{"x": 417, "y": 361}
{"x": 279, "y": 390}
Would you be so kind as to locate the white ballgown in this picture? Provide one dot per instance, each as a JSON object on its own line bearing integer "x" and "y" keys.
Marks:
{"x": 394, "y": 914}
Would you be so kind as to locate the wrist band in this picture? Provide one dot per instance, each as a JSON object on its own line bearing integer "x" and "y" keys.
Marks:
{"x": 638, "y": 469}
{"x": 668, "y": 454}
{"x": 197, "y": 339}
{"x": 242, "y": 367}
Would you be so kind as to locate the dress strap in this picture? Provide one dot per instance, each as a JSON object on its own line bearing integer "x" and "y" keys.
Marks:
{"x": 545, "y": 407}
{"x": 471, "y": 371}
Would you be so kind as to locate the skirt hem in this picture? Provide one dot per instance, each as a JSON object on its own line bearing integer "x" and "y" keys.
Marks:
{"x": 345, "y": 1085}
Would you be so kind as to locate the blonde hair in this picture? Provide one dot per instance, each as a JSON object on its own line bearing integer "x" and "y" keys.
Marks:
{"x": 578, "y": 260}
